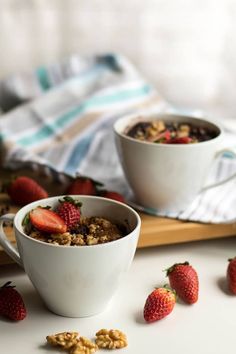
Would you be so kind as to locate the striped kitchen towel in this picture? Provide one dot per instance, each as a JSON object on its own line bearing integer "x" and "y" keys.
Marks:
{"x": 58, "y": 119}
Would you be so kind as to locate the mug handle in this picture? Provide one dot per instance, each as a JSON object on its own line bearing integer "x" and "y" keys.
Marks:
{"x": 231, "y": 153}
{"x": 5, "y": 243}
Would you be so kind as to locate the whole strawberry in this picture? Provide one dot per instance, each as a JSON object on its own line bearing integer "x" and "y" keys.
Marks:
{"x": 159, "y": 304}
{"x": 69, "y": 211}
{"x": 183, "y": 279}
{"x": 112, "y": 195}
{"x": 11, "y": 303}
{"x": 82, "y": 185}
{"x": 231, "y": 275}
{"x": 24, "y": 190}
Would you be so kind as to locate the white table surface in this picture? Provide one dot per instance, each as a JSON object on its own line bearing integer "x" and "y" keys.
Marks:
{"x": 207, "y": 327}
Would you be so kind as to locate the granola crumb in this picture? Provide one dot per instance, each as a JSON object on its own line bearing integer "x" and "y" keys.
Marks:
{"x": 90, "y": 231}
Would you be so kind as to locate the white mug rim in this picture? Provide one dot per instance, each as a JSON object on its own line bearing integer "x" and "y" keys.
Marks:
{"x": 21, "y": 213}
{"x": 129, "y": 117}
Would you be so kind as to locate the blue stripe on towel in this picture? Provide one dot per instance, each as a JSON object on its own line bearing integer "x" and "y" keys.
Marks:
{"x": 229, "y": 155}
{"x": 78, "y": 154}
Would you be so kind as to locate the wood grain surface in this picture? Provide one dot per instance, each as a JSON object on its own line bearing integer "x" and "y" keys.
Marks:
{"x": 155, "y": 231}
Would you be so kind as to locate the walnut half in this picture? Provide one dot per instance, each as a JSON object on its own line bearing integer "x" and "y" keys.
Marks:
{"x": 84, "y": 346}
{"x": 111, "y": 339}
{"x": 66, "y": 340}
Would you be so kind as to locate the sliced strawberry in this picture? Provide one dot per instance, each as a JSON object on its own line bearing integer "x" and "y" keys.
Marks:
{"x": 161, "y": 137}
{"x": 47, "y": 221}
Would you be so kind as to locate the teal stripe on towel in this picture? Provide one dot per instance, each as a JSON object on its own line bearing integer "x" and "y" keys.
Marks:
{"x": 43, "y": 78}
{"x": 65, "y": 119}
{"x": 120, "y": 96}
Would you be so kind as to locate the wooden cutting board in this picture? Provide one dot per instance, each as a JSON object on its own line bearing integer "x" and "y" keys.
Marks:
{"x": 155, "y": 231}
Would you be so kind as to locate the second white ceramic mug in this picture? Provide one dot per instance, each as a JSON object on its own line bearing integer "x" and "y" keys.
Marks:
{"x": 166, "y": 177}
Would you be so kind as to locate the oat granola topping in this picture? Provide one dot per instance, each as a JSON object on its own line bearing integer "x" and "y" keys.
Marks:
{"x": 65, "y": 340}
{"x": 90, "y": 231}
{"x": 84, "y": 346}
{"x": 111, "y": 339}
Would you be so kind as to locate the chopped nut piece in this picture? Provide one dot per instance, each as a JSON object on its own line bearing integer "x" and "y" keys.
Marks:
{"x": 152, "y": 132}
{"x": 37, "y": 235}
{"x": 77, "y": 240}
{"x": 62, "y": 239}
{"x": 182, "y": 133}
{"x": 111, "y": 339}
{"x": 92, "y": 228}
{"x": 65, "y": 340}
{"x": 185, "y": 128}
{"x": 91, "y": 240}
{"x": 159, "y": 125}
{"x": 84, "y": 346}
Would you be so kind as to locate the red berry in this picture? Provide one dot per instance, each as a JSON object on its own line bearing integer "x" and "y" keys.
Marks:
{"x": 231, "y": 275}
{"x": 47, "y": 221}
{"x": 167, "y": 135}
{"x": 24, "y": 190}
{"x": 69, "y": 211}
{"x": 82, "y": 185}
{"x": 11, "y": 303}
{"x": 159, "y": 304}
{"x": 184, "y": 280}
{"x": 183, "y": 140}
{"x": 113, "y": 195}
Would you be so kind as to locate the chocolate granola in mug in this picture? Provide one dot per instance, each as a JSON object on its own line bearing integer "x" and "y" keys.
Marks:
{"x": 161, "y": 132}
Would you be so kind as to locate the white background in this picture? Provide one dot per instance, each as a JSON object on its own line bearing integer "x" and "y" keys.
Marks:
{"x": 187, "y": 48}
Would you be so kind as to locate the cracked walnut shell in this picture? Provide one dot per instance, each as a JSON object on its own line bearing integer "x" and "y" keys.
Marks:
{"x": 111, "y": 339}
{"x": 84, "y": 346}
{"x": 65, "y": 340}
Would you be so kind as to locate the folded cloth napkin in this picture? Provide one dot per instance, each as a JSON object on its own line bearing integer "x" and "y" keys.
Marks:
{"x": 58, "y": 119}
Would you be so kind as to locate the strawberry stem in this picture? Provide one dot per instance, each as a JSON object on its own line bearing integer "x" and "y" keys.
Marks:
{"x": 26, "y": 219}
{"x": 70, "y": 200}
{"x": 170, "y": 269}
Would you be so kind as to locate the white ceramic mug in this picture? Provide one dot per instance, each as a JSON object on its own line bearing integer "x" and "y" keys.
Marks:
{"x": 166, "y": 177}
{"x": 75, "y": 281}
